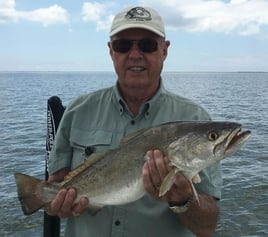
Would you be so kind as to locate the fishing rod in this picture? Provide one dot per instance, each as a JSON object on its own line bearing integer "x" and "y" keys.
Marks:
{"x": 55, "y": 110}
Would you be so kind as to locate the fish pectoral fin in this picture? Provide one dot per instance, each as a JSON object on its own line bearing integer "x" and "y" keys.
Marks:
{"x": 168, "y": 181}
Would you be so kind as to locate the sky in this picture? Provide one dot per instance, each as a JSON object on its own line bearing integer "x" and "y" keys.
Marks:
{"x": 68, "y": 35}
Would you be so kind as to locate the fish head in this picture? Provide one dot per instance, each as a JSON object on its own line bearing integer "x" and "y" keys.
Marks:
{"x": 205, "y": 143}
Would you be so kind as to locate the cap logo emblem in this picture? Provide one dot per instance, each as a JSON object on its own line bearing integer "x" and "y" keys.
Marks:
{"x": 139, "y": 14}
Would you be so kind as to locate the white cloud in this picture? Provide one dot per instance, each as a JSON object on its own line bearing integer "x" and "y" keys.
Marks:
{"x": 4, "y": 4}
{"x": 7, "y": 11}
{"x": 241, "y": 16}
{"x": 244, "y": 17}
{"x": 51, "y": 15}
{"x": 93, "y": 11}
{"x": 98, "y": 13}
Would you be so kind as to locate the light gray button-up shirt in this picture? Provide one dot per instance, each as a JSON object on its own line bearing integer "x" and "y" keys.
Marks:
{"x": 100, "y": 120}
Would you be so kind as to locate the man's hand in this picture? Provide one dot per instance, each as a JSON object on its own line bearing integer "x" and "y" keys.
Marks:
{"x": 63, "y": 205}
{"x": 200, "y": 219}
{"x": 155, "y": 170}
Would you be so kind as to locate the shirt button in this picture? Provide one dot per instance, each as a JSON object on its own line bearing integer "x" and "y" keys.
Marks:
{"x": 117, "y": 222}
{"x": 132, "y": 122}
{"x": 89, "y": 150}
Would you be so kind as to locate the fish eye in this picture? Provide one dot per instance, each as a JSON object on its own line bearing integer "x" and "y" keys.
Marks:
{"x": 212, "y": 136}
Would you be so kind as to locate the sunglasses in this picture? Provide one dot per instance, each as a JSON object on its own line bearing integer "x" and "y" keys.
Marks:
{"x": 144, "y": 45}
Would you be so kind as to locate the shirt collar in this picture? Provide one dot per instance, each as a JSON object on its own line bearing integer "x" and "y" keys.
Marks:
{"x": 147, "y": 107}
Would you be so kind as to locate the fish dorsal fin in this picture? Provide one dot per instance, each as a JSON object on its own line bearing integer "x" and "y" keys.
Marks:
{"x": 130, "y": 136}
{"x": 92, "y": 159}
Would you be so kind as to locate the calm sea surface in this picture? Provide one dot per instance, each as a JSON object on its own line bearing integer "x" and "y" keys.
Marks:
{"x": 241, "y": 97}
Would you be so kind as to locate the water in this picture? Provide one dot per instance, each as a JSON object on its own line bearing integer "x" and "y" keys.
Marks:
{"x": 241, "y": 97}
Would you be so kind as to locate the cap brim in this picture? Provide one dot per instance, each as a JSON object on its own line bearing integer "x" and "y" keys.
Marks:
{"x": 139, "y": 26}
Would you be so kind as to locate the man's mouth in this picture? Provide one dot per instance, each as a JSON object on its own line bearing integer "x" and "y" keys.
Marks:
{"x": 136, "y": 68}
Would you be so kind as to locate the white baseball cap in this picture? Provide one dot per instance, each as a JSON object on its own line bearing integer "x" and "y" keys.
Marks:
{"x": 138, "y": 17}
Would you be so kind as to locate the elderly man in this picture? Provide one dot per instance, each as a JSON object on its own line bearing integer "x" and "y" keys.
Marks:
{"x": 138, "y": 49}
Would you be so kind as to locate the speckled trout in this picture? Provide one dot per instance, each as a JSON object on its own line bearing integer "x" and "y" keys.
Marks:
{"x": 114, "y": 177}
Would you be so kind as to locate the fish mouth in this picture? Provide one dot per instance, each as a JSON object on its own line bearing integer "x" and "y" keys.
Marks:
{"x": 235, "y": 140}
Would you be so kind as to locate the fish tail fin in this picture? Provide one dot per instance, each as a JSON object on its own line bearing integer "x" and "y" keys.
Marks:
{"x": 29, "y": 189}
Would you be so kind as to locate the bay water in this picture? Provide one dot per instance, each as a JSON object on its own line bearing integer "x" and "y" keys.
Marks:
{"x": 240, "y": 97}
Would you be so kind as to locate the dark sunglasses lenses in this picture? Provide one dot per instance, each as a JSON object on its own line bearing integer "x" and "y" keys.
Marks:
{"x": 144, "y": 45}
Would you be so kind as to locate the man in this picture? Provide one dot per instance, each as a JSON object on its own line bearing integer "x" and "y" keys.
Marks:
{"x": 99, "y": 120}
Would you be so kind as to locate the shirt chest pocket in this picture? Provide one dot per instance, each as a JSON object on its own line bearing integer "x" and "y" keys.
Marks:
{"x": 85, "y": 142}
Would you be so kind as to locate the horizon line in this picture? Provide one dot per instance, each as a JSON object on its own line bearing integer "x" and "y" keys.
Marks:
{"x": 164, "y": 71}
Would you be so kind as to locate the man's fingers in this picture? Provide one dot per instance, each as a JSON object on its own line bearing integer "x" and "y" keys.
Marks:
{"x": 153, "y": 169}
{"x": 63, "y": 204}
{"x": 147, "y": 182}
{"x": 68, "y": 201}
{"x": 80, "y": 207}
{"x": 160, "y": 164}
{"x": 56, "y": 204}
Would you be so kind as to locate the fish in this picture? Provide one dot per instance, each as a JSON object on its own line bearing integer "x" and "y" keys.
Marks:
{"x": 114, "y": 177}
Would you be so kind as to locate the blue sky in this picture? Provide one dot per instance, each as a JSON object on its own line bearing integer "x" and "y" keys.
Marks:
{"x": 68, "y": 35}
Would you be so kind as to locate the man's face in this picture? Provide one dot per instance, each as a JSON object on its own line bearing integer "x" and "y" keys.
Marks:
{"x": 135, "y": 68}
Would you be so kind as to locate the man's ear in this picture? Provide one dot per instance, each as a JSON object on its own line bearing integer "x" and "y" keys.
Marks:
{"x": 110, "y": 48}
{"x": 165, "y": 48}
